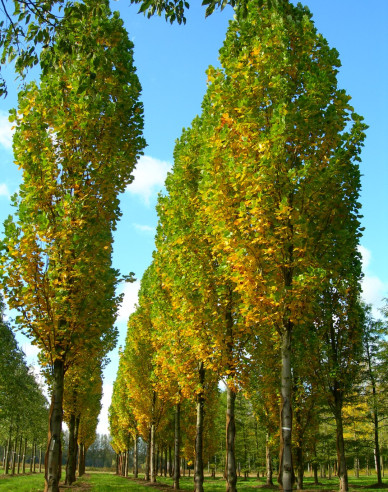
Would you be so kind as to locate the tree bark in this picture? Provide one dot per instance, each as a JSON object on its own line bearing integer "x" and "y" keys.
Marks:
{"x": 7, "y": 453}
{"x": 53, "y": 453}
{"x": 286, "y": 471}
{"x": 14, "y": 456}
{"x": 147, "y": 464}
{"x": 299, "y": 451}
{"x": 135, "y": 457}
{"x": 152, "y": 441}
{"x": 198, "y": 472}
{"x": 24, "y": 456}
{"x": 177, "y": 439}
{"x": 268, "y": 462}
{"x": 169, "y": 461}
{"x": 342, "y": 470}
{"x": 231, "y": 475}
{"x": 34, "y": 458}
{"x": 376, "y": 436}
{"x": 81, "y": 461}
{"x": 70, "y": 465}
{"x": 20, "y": 453}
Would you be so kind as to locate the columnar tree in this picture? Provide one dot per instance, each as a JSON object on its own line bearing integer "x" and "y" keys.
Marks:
{"x": 199, "y": 285}
{"x": 77, "y": 138}
{"x": 281, "y": 179}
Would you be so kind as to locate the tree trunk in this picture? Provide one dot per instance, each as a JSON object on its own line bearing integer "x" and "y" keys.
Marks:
{"x": 32, "y": 455}
{"x": 34, "y": 458}
{"x": 268, "y": 462}
{"x": 8, "y": 451}
{"x": 20, "y": 453}
{"x": 169, "y": 461}
{"x": 14, "y": 456}
{"x": 53, "y": 453}
{"x": 147, "y": 464}
{"x": 152, "y": 453}
{"x": 342, "y": 471}
{"x": 135, "y": 457}
{"x": 198, "y": 472}
{"x": 70, "y": 465}
{"x": 177, "y": 443}
{"x": 231, "y": 475}
{"x": 356, "y": 467}
{"x": 299, "y": 451}
{"x": 376, "y": 437}
{"x": 81, "y": 460}
{"x": 165, "y": 461}
{"x": 40, "y": 459}
{"x": 24, "y": 456}
{"x": 286, "y": 471}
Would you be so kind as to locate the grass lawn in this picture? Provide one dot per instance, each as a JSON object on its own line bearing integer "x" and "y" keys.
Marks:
{"x": 102, "y": 481}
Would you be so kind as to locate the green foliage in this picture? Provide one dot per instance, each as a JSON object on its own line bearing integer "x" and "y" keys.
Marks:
{"x": 77, "y": 153}
{"x": 23, "y": 407}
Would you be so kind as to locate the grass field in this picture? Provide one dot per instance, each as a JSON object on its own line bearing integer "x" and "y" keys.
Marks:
{"x": 102, "y": 482}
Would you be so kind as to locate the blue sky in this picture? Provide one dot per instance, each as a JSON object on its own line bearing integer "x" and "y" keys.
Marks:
{"x": 171, "y": 63}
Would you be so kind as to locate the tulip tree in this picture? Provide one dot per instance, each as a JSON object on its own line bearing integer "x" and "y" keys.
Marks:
{"x": 281, "y": 179}
{"x": 198, "y": 283}
{"x": 77, "y": 138}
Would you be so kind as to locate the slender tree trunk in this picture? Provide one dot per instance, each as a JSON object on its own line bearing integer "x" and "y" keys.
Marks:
{"x": 70, "y": 465}
{"x": 231, "y": 477}
{"x": 8, "y": 451}
{"x": 147, "y": 464}
{"x": 152, "y": 441}
{"x": 286, "y": 471}
{"x": 299, "y": 451}
{"x": 300, "y": 467}
{"x": 356, "y": 467}
{"x": 40, "y": 459}
{"x": 81, "y": 461}
{"x": 342, "y": 471}
{"x": 177, "y": 444}
{"x": 315, "y": 471}
{"x": 126, "y": 463}
{"x": 24, "y": 456}
{"x": 135, "y": 457}
{"x": 53, "y": 453}
{"x": 198, "y": 472}
{"x": 75, "y": 459}
{"x": 14, "y": 450}
{"x": 268, "y": 462}
{"x": 165, "y": 461}
{"x": 32, "y": 456}
{"x": 34, "y": 466}
{"x": 169, "y": 461}
{"x": 20, "y": 453}
{"x": 376, "y": 437}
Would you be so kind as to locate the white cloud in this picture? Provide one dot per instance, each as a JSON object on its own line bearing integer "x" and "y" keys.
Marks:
{"x": 4, "y": 190}
{"x": 130, "y": 300}
{"x": 31, "y": 352}
{"x": 366, "y": 256}
{"x": 103, "y": 422}
{"x": 373, "y": 288}
{"x": 5, "y": 131}
{"x": 150, "y": 175}
{"x": 144, "y": 228}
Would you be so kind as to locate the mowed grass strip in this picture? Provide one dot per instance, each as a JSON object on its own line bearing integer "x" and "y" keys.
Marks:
{"x": 103, "y": 482}
{"x": 33, "y": 482}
